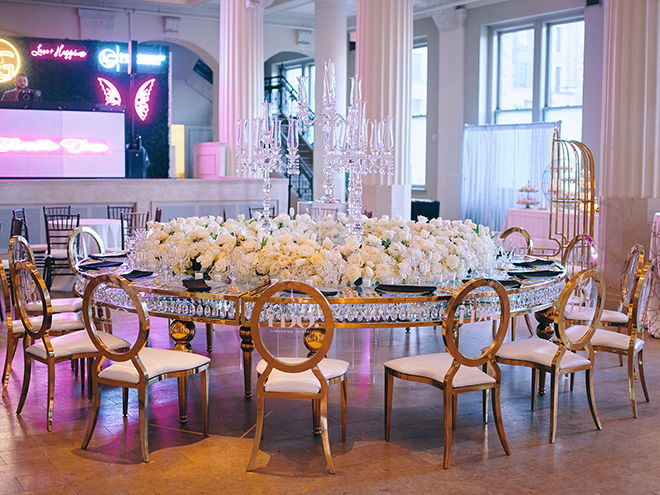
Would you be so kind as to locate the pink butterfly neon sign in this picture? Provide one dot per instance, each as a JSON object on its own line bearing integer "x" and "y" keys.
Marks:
{"x": 113, "y": 97}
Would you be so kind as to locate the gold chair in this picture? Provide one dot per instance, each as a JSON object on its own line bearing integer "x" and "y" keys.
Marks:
{"x": 139, "y": 366}
{"x": 580, "y": 254}
{"x": 298, "y": 378}
{"x": 38, "y": 345}
{"x": 58, "y": 230}
{"x": 453, "y": 372}
{"x": 14, "y": 332}
{"x": 544, "y": 355}
{"x": 115, "y": 212}
{"x": 132, "y": 222}
{"x": 631, "y": 342}
{"x": 82, "y": 242}
{"x": 39, "y": 250}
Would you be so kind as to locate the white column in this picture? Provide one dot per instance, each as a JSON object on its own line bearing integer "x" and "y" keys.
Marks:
{"x": 630, "y": 133}
{"x": 241, "y": 73}
{"x": 383, "y": 61}
{"x": 330, "y": 43}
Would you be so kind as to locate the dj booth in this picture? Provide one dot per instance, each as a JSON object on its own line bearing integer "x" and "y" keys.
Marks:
{"x": 61, "y": 140}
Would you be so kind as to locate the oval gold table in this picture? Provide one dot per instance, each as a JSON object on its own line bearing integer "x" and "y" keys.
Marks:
{"x": 351, "y": 308}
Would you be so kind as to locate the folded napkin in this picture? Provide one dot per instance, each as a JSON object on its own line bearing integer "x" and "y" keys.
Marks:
{"x": 537, "y": 273}
{"x": 95, "y": 265}
{"x": 422, "y": 290}
{"x": 136, "y": 274}
{"x": 196, "y": 285}
{"x": 509, "y": 284}
{"x": 533, "y": 264}
{"x": 323, "y": 290}
{"x": 105, "y": 256}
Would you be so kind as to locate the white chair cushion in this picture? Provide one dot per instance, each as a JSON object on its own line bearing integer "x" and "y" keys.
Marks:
{"x": 76, "y": 343}
{"x": 61, "y": 322}
{"x": 59, "y": 305}
{"x": 305, "y": 382}
{"x": 435, "y": 366}
{"x": 586, "y": 314}
{"x": 156, "y": 362}
{"x": 60, "y": 254}
{"x": 539, "y": 351}
{"x": 606, "y": 338}
{"x": 39, "y": 248}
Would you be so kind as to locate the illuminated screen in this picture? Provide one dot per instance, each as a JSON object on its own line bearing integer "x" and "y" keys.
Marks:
{"x": 59, "y": 144}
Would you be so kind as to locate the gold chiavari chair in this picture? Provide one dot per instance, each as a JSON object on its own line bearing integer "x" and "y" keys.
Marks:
{"x": 560, "y": 358}
{"x": 452, "y": 371}
{"x": 298, "y": 378}
{"x": 139, "y": 366}
{"x": 38, "y": 345}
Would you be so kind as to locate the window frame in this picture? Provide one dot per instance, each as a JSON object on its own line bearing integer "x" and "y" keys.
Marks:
{"x": 419, "y": 42}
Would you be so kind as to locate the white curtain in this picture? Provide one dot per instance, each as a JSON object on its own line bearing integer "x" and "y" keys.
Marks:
{"x": 497, "y": 161}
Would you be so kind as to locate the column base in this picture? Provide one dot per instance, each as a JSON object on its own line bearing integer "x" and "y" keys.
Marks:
{"x": 387, "y": 200}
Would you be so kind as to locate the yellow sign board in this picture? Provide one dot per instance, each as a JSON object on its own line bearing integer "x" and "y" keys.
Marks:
{"x": 10, "y": 61}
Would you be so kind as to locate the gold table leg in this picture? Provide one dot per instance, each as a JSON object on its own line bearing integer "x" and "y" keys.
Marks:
{"x": 545, "y": 330}
{"x": 182, "y": 332}
{"x": 209, "y": 337}
{"x": 247, "y": 347}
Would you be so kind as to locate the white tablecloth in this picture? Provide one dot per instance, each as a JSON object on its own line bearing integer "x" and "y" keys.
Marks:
{"x": 537, "y": 224}
{"x": 108, "y": 229}
{"x": 654, "y": 299}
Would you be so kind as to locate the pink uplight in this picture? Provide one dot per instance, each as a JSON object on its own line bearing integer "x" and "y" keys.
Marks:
{"x": 70, "y": 146}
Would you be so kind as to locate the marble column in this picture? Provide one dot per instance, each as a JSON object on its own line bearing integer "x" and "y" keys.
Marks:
{"x": 383, "y": 61}
{"x": 630, "y": 144}
{"x": 241, "y": 73}
{"x": 330, "y": 43}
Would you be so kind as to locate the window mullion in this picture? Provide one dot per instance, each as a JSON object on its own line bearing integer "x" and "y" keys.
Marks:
{"x": 539, "y": 70}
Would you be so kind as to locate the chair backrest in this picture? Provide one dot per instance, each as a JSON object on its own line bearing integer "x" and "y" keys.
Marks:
{"x": 115, "y": 282}
{"x": 576, "y": 285}
{"x": 82, "y": 242}
{"x": 16, "y": 226}
{"x": 642, "y": 296}
{"x": 57, "y": 210}
{"x": 224, "y": 215}
{"x": 29, "y": 287}
{"x": 6, "y": 297}
{"x": 261, "y": 210}
{"x": 316, "y": 320}
{"x": 631, "y": 270}
{"x": 529, "y": 245}
{"x": 131, "y": 222}
{"x": 115, "y": 212}
{"x": 458, "y": 313}
{"x": 20, "y": 213}
{"x": 580, "y": 254}
{"x": 158, "y": 215}
{"x": 59, "y": 228}
{"x": 19, "y": 249}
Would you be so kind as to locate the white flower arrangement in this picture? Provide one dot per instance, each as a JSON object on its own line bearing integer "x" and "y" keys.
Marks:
{"x": 324, "y": 252}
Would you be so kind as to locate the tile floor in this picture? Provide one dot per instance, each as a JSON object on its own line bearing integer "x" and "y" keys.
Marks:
{"x": 622, "y": 458}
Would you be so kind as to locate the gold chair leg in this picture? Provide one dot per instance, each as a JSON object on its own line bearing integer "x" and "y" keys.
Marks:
{"x": 124, "y": 400}
{"x": 82, "y": 376}
{"x": 94, "y": 416}
{"x": 640, "y": 367}
{"x": 497, "y": 414}
{"x": 389, "y": 387}
{"x": 513, "y": 328}
{"x": 27, "y": 371}
{"x": 258, "y": 431}
{"x": 484, "y": 399}
{"x": 631, "y": 384}
{"x": 529, "y": 325}
{"x": 51, "y": 394}
{"x": 209, "y": 337}
{"x": 316, "y": 417}
{"x": 324, "y": 433}
{"x": 90, "y": 362}
{"x": 535, "y": 383}
{"x": 204, "y": 376}
{"x": 448, "y": 406}
{"x": 143, "y": 404}
{"x": 344, "y": 401}
{"x": 554, "y": 399}
{"x": 591, "y": 398}
{"x": 12, "y": 345}
{"x": 183, "y": 399}
{"x": 454, "y": 410}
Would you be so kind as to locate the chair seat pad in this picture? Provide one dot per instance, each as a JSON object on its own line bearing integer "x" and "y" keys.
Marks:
{"x": 539, "y": 351}
{"x": 76, "y": 343}
{"x": 39, "y": 248}
{"x": 586, "y": 314}
{"x": 156, "y": 362}
{"x": 59, "y": 254}
{"x": 59, "y": 305}
{"x": 606, "y": 338}
{"x": 304, "y": 382}
{"x": 60, "y": 323}
{"x": 435, "y": 367}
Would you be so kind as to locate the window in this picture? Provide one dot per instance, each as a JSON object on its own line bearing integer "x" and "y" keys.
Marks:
{"x": 538, "y": 74}
{"x": 418, "y": 107}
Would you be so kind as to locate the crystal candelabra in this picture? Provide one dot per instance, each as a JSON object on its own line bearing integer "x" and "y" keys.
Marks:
{"x": 353, "y": 144}
{"x": 262, "y": 152}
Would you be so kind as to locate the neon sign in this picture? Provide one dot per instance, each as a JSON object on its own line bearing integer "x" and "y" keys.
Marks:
{"x": 69, "y": 146}
{"x": 142, "y": 99}
{"x": 114, "y": 59}
{"x": 112, "y": 96}
{"x": 62, "y": 50}
{"x": 10, "y": 61}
